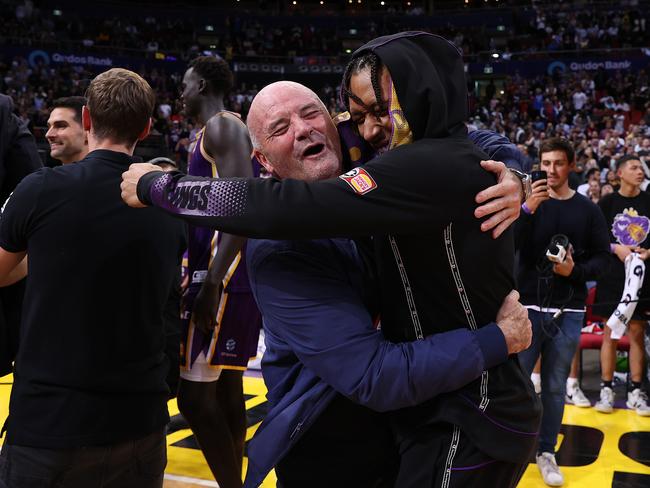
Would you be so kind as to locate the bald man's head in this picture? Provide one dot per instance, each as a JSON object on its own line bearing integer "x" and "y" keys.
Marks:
{"x": 293, "y": 134}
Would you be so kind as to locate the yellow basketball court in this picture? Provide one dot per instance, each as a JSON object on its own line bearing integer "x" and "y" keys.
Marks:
{"x": 594, "y": 450}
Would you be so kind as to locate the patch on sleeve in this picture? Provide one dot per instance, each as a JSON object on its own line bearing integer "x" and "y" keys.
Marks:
{"x": 360, "y": 180}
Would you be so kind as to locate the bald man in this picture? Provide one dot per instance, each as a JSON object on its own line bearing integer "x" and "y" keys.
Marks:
{"x": 317, "y": 301}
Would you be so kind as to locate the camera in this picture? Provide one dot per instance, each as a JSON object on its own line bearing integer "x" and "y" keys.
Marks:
{"x": 557, "y": 249}
{"x": 538, "y": 175}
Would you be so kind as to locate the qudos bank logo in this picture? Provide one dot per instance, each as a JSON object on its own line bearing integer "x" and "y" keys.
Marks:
{"x": 36, "y": 56}
{"x": 556, "y": 65}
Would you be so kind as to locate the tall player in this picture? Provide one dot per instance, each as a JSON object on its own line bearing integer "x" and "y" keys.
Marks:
{"x": 220, "y": 319}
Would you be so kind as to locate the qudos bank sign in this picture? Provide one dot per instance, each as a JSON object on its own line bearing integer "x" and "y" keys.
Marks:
{"x": 588, "y": 65}
{"x": 42, "y": 57}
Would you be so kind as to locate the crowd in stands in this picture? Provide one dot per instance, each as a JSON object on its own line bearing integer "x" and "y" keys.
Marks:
{"x": 576, "y": 28}
{"x": 527, "y": 30}
{"x": 604, "y": 114}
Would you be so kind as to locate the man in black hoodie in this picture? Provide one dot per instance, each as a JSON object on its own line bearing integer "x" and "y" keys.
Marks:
{"x": 434, "y": 260}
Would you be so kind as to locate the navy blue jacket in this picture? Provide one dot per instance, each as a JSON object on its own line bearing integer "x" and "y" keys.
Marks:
{"x": 499, "y": 148}
{"x": 321, "y": 341}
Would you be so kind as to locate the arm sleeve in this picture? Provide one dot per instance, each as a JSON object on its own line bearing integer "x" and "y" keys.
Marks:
{"x": 18, "y": 214}
{"x": 399, "y": 192}
{"x": 523, "y": 230}
{"x": 598, "y": 262}
{"x": 308, "y": 306}
{"x": 498, "y": 147}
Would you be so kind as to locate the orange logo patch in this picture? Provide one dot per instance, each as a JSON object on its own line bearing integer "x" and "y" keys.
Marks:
{"x": 360, "y": 180}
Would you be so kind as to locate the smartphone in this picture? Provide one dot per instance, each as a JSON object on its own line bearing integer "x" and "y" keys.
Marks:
{"x": 538, "y": 175}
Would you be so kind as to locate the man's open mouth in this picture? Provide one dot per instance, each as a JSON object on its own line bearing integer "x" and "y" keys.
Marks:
{"x": 313, "y": 150}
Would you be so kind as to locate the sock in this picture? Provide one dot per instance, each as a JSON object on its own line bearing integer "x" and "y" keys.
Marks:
{"x": 607, "y": 384}
{"x": 571, "y": 382}
{"x": 634, "y": 385}
{"x": 536, "y": 378}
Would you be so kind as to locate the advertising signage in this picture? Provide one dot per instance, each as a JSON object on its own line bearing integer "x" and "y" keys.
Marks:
{"x": 549, "y": 67}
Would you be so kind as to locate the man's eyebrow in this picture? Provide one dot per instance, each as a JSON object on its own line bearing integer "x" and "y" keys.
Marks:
{"x": 275, "y": 123}
{"x": 308, "y": 106}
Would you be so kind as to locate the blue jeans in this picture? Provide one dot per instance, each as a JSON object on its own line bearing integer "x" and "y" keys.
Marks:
{"x": 557, "y": 341}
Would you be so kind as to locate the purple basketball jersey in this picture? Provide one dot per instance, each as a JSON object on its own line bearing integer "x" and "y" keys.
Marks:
{"x": 202, "y": 244}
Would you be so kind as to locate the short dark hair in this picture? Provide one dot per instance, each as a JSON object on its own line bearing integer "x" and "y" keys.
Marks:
{"x": 215, "y": 71}
{"x": 73, "y": 103}
{"x": 590, "y": 172}
{"x": 558, "y": 144}
{"x": 623, "y": 160}
{"x": 121, "y": 104}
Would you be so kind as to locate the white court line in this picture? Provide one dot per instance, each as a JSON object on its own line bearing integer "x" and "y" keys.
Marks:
{"x": 195, "y": 481}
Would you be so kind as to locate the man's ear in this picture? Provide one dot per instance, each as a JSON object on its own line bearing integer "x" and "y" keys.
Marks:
{"x": 85, "y": 118}
{"x": 145, "y": 132}
{"x": 263, "y": 161}
{"x": 203, "y": 86}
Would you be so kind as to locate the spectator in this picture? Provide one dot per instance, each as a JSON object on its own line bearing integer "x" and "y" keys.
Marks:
{"x": 592, "y": 175}
{"x": 103, "y": 386}
{"x": 627, "y": 212}
{"x": 555, "y": 293}
{"x": 18, "y": 158}
{"x": 67, "y": 137}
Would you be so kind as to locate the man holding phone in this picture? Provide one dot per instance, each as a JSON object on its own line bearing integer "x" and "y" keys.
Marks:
{"x": 552, "y": 282}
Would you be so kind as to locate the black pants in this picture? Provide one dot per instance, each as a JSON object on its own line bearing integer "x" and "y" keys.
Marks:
{"x": 349, "y": 446}
{"x": 132, "y": 464}
{"x": 441, "y": 456}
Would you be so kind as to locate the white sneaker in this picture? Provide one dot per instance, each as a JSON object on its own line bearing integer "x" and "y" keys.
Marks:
{"x": 549, "y": 469}
{"x": 638, "y": 400}
{"x": 606, "y": 402}
{"x": 575, "y": 396}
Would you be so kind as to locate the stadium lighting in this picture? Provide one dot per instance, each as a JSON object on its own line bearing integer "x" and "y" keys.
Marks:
{"x": 294, "y": 2}
{"x": 495, "y": 55}
{"x": 209, "y": 28}
{"x": 348, "y": 51}
{"x": 383, "y": 3}
{"x": 322, "y": 3}
{"x": 57, "y": 13}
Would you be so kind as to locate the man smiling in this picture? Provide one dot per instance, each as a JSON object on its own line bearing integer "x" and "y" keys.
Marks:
{"x": 438, "y": 270}
{"x": 65, "y": 134}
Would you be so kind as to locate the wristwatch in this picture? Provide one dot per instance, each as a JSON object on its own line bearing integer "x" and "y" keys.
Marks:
{"x": 526, "y": 183}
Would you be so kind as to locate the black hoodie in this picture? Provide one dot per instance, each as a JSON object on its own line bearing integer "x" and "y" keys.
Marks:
{"x": 435, "y": 264}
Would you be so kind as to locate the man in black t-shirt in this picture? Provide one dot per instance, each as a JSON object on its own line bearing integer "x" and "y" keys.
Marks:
{"x": 554, "y": 291}
{"x": 88, "y": 402}
{"x": 628, "y": 218}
